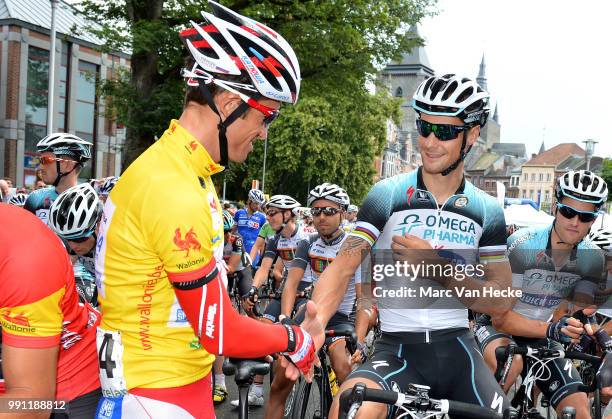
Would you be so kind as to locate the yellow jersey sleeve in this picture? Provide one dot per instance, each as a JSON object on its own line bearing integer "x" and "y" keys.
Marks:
{"x": 34, "y": 325}
{"x": 187, "y": 237}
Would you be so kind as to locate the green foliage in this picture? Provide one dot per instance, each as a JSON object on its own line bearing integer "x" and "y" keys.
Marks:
{"x": 334, "y": 132}
{"x": 606, "y": 174}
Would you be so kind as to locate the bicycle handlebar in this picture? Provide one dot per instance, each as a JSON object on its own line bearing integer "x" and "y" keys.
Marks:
{"x": 360, "y": 393}
{"x": 345, "y": 331}
{"x": 504, "y": 354}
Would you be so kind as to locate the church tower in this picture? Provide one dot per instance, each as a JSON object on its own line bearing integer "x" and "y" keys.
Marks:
{"x": 402, "y": 77}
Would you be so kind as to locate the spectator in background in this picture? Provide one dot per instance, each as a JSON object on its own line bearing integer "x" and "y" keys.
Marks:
{"x": 4, "y": 191}
{"x": 39, "y": 184}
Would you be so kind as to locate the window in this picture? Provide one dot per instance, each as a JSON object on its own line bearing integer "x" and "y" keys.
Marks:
{"x": 59, "y": 124}
{"x": 36, "y": 97}
{"x": 547, "y": 177}
{"x": 533, "y": 177}
{"x": 86, "y": 109}
{"x": 541, "y": 177}
{"x": 399, "y": 92}
{"x": 547, "y": 196}
{"x": 531, "y": 194}
{"x": 526, "y": 177}
{"x": 524, "y": 193}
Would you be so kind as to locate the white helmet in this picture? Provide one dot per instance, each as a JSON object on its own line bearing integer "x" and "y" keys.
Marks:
{"x": 243, "y": 57}
{"x": 452, "y": 95}
{"x": 352, "y": 208}
{"x": 602, "y": 238}
{"x": 229, "y": 44}
{"x": 257, "y": 196}
{"x": 282, "y": 202}
{"x": 582, "y": 185}
{"x": 108, "y": 185}
{"x": 18, "y": 199}
{"x": 330, "y": 192}
{"x": 64, "y": 144}
{"x": 75, "y": 212}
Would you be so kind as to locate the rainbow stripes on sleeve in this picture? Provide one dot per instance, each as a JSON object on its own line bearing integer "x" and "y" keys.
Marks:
{"x": 365, "y": 231}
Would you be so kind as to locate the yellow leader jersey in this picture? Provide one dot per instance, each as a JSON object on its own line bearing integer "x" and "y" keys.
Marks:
{"x": 162, "y": 222}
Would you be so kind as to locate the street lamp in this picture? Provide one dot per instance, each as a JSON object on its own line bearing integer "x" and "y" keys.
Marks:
{"x": 51, "y": 88}
{"x": 589, "y": 148}
{"x": 263, "y": 180}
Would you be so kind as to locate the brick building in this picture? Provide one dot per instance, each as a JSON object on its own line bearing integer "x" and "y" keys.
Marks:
{"x": 24, "y": 77}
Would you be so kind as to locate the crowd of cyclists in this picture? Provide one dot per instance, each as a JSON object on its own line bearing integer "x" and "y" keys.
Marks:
{"x": 154, "y": 281}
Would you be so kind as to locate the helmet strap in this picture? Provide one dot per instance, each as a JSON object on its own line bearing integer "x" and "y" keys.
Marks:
{"x": 462, "y": 155}
{"x": 60, "y": 175}
{"x": 223, "y": 124}
{"x": 285, "y": 221}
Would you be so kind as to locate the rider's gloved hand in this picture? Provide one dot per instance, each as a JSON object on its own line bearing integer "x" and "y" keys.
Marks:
{"x": 565, "y": 330}
{"x": 250, "y": 299}
{"x": 300, "y": 348}
{"x": 359, "y": 357}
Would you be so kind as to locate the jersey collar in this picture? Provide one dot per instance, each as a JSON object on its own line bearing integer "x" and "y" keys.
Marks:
{"x": 421, "y": 184}
{"x": 334, "y": 241}
{"x": 192, "y": 150}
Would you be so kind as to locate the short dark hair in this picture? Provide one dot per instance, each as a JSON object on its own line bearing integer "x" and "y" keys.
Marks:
{"x": 194, "y": 93}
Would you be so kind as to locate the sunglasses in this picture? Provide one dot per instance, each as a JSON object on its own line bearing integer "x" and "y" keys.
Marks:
{"x": 49, "y": 159}
{"x": 328, "y": 211}
{"x": 79, "y": 239}
{"x": 569, "y": 213}
{"x": 271, "y": 213}
{"x": 443, "y": 132}
{"x": 270, "y": 114}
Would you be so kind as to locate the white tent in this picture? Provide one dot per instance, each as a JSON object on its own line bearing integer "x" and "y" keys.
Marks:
{"x": 526, "y": 216}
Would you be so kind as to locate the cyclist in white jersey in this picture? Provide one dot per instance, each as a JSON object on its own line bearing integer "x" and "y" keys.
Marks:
{"x": 552, "y": 265}
{"x": 432, "y": 207}
{"x": 280, "y": 214}
{"x": 279, "y": 210}
{"x": 327, "y": 204}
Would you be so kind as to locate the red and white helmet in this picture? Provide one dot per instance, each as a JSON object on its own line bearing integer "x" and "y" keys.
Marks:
{"x": 229, "y": 44}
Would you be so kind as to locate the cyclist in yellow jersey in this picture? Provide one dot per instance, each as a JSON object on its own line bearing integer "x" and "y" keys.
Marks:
{"x": 160, "y": 248}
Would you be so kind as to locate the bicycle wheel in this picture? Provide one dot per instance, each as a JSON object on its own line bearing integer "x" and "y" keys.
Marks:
{"x": 306, "y": 403}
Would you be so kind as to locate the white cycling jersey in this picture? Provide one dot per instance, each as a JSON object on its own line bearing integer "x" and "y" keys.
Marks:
{"x": 315, "y": 254}
{"x": 470, "y": 219}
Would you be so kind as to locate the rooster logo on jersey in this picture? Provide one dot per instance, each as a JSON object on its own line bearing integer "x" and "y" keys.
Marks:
{"x": 189, "y": 242}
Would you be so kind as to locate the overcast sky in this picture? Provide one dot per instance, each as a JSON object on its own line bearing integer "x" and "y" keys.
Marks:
{"x": 549, "y": 64}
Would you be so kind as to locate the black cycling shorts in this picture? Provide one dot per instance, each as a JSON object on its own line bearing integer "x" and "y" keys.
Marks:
{"x": 484, "y": 332}
{"x": 559, "y": 378}
{"x": 273, "y": 310}
{"x": 338, "y": 319}
{"x": 451, "y": 366}
{"x": 83, "y": 407}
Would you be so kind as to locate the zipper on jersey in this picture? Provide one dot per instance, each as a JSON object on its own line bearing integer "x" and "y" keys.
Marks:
{"x": 439, "y": 210}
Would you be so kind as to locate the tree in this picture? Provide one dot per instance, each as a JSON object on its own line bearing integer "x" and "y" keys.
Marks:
{"x": 332, "y": 134}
